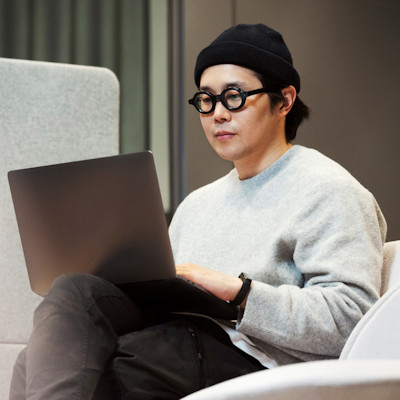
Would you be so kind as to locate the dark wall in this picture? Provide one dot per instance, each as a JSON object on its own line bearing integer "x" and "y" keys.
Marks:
{"x": 347, "y": 54}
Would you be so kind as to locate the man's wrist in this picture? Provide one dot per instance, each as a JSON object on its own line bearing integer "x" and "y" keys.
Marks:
{"x": 244, "y": 290}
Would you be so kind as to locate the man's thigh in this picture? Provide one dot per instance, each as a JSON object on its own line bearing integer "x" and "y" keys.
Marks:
{"x": 172, "y": 359}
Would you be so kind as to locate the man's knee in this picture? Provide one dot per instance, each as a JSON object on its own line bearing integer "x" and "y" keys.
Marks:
{"x": 84, "y": 285}
{"x": 93, "y": 297}
{"x": 83, "y": 281}
{"x": 77, "y": 291}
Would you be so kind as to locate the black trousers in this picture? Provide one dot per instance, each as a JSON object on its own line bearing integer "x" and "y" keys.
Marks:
{"x": 90, "y": 340}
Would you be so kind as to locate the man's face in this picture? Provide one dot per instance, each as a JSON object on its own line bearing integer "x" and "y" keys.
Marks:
{"x": 246, "y": 136}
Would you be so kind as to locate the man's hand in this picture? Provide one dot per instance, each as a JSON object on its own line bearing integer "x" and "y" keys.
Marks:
{"x": 223, "y": 286}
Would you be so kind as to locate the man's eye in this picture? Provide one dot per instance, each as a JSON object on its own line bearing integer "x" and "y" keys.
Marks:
{"x": 206, "y": 100}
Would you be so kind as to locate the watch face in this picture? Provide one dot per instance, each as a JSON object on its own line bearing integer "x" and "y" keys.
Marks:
{"x": 243, "y": 276}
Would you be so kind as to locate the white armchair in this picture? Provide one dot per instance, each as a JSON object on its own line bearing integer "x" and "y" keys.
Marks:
{"x": 368, "y": 367}
{"x": 49, "y": 113}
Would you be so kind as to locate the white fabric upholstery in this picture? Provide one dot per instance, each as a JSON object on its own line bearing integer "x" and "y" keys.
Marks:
{"x": 8, "y": 355}
{"x": 49, "y": 113}
{"x": 318, "y": 380}
{"x": 377, "y": 335}
{"x": 391, "y": 265}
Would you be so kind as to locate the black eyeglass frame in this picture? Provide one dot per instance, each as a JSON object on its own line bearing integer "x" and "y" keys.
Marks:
{"x": 221, "y": 98}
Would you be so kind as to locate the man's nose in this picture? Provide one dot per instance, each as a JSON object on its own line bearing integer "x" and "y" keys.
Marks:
{"x": 221, "y": 112}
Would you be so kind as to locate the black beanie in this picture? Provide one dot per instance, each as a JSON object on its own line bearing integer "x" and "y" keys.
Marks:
{"x": 256, "y": 47}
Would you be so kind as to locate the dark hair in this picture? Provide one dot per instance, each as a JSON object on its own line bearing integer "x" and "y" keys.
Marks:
{"x": 299, "y": 112}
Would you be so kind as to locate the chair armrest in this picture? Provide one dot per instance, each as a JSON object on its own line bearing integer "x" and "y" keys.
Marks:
{"x": 317, "y": 380}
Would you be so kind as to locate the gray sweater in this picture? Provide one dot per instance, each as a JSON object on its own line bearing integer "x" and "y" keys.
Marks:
{"x": 307, "y": 233}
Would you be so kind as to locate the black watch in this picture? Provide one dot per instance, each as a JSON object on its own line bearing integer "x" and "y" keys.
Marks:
{"x": 237, "y": 301}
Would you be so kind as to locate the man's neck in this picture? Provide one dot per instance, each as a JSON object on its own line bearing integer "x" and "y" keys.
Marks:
{"x": 249, "y": 168}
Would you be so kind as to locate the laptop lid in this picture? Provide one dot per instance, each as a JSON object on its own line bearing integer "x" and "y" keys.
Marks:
{"x": 102, "y": 216}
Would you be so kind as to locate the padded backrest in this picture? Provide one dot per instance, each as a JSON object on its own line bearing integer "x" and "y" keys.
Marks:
{"x": 49, "y": 113}
{"x": 391, "y": 265}
{"x": 377, "y": 334}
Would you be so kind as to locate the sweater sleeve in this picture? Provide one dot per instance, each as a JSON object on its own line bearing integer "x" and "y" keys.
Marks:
{"x": 336, "y": 243}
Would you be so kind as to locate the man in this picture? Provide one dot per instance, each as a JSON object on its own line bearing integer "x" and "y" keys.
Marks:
{"x": 306, "y": 233}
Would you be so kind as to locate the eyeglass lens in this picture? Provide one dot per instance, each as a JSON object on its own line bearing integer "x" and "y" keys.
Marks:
{"x": 231, "y": 98}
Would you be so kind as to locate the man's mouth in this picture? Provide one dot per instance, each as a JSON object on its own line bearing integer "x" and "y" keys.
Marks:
{"x": 224, "y": 135}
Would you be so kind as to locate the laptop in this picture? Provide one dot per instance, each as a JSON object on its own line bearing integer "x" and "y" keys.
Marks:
{"x": 104, "y": 217}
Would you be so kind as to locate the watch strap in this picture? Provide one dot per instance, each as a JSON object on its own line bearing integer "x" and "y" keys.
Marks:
{"x": 244, "y": 290}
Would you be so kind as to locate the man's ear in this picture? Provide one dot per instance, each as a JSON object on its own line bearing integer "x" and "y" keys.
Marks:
{"x": 289, "y": 94}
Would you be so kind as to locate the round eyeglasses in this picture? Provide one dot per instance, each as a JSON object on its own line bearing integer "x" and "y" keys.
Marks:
{"x": 232, "y": 98}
